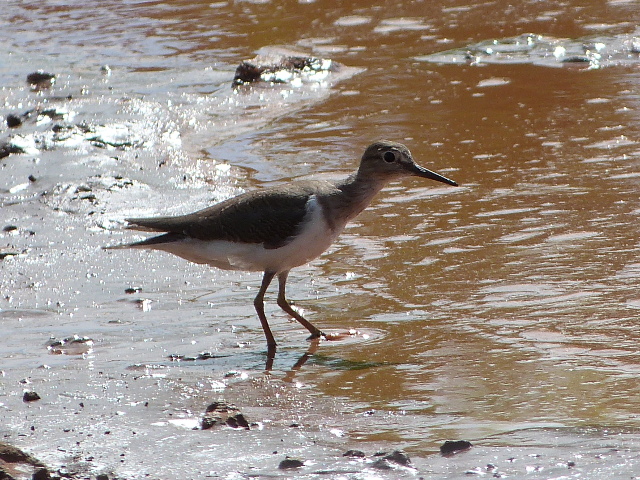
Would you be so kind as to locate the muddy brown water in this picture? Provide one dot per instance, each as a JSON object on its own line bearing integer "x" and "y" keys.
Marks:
{"x": 504, "y": 312}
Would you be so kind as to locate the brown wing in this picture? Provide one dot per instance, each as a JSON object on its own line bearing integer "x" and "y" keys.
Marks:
{"x": 269, "y": 216}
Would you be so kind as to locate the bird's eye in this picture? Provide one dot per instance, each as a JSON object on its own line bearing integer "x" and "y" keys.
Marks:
{"x": 389, "y": 157}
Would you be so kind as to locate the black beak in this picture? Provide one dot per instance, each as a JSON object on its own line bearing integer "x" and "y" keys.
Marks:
{"x": 419, "y": 171}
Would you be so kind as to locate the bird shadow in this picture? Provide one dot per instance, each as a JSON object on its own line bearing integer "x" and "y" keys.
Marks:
{"x": 312, "y": 352}
{"x": 290, "y": 374}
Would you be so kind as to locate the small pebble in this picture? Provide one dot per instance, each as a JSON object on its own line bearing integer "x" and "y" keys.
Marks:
{"x": 450, "y": 447}
{"x": 13, "y": 121}
{"x": 30, "y": 397}
{"x": 40, "y": 78}
{"x": 399, "y": 457}
{"x": 289, "y": 462}
{"x": 41, "y": 474}
{"x": 354, "y": 454}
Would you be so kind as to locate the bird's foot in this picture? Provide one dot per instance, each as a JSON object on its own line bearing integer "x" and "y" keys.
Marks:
{"x": 337, "y": 336}
{"x": 317, "y": 334}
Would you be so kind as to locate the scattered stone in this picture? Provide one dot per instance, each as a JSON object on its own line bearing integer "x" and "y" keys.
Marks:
{"x": 7, "y": 148}
{"x": 101, "y": 142}
{"x": 222, "y": 413}
{"x": 11, "y": 454}
{"x": 4, "y": 253}
{"x": 238, "y": 421}
{"x": 70, "y": 346}
{"x": 451, "y": 447}
{"x": 275, "y": 68}
{"x": 391, "y": 460}
{"x": 30, "y": 397}
{"x": 289, "y": 462}
{"x": 206, "y": 356}
{"x": 176, "y": 357}
{"x": 13, "y": 121}
{"x": 41, "y": 79}
{"x": 399, "y": 457}
{"x": 15, "y": 464}
{"x": 354, "y": 454}
{"x": 41, "y": 474}
{"x": 4, "y": 475}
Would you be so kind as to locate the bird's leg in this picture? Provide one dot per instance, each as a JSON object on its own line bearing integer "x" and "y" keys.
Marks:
{"x": 258, "y": 302}
{"x": 284, "y": 305}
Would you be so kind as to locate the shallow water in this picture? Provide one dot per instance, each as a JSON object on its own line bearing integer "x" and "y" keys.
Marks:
{"x": 503, "y": 312}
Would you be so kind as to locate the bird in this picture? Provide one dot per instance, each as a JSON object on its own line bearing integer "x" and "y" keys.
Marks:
{"x": 277, "y": 228}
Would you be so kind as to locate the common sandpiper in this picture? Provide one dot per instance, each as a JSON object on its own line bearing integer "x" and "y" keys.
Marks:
{"x": 275, "y": 229}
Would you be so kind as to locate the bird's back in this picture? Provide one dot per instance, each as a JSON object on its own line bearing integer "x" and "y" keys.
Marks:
{"x": 271, "y": 216}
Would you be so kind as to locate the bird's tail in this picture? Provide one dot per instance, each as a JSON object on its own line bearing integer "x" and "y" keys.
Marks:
{"x": 149, "y": 242}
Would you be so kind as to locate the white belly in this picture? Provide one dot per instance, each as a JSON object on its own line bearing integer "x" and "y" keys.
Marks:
{"x": 315, "y": 238}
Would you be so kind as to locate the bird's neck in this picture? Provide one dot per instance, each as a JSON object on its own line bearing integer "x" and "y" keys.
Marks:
{"x": 352, "y": 196}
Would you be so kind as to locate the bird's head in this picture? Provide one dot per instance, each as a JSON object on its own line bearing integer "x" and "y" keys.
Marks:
{"x": 390, "y": 160}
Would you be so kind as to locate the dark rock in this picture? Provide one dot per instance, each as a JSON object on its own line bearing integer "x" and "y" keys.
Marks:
{"x": 221, "y": 407}
{"x": 102, "y": 476}
{"x": 70, "y": 346}
{"x": 11, "y": 454}
{"x": 4, "y": 475}
{"x": 247, "y": 73}
{"x": 41, "y": 474}
{"x": 399, "y": 457}
{"x": 206, "y": 356}
{"x": 382, "y": 464}
{"x": 7, "y": 149}
{"x": 58, "y": 128}
{"x": 52, "y": 113}
{"x": 132, "y": 290}
{"x": 13, "y": 121}
{"x": 450, "y": 447}
{"x": 390, "y": 460}
{"x": 222, "y": 413}
{"x": 279, "y": 68}
{"x": 576, "y": 59}
{"x": 289, "y": 462}
{"x": 354, "y": 453}
{"x": 176, "y": 357}
{"x": 30, "y": 397}
{"x": 238, "y": 421}
{"x": 41, "y": 79}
